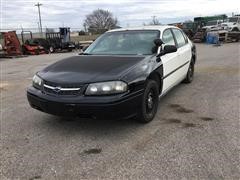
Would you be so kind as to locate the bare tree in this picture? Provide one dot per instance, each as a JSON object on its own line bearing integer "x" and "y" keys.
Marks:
{"x": 100, "y": 21}
{"x": 154, "y": 21}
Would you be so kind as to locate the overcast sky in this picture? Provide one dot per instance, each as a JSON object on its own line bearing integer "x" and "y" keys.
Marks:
{"x": 23, "y": 13}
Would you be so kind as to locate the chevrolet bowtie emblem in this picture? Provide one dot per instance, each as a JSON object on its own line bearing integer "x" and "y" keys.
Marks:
{"x": 57, "y": 89}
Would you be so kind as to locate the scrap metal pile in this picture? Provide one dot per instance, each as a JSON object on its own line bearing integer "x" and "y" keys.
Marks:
{"x": 54, "y": 41}
{"x": 213, "y": 28}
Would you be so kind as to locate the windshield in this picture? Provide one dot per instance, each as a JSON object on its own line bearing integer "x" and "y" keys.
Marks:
{"x": 125, "y": 43}
{"x": 211, "y": 23}
{"x": 233, "y": 19}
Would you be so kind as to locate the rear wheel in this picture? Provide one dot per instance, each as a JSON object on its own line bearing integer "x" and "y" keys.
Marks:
{"x": 190, "y": 74}
{"x": 149, "y": 103}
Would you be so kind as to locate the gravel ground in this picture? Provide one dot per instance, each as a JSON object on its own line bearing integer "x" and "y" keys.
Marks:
{"x": 195, "y": 134}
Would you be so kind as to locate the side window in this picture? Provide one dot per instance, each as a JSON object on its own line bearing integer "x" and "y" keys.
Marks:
{"x": 179, "y": 37}
{"x": 168, "y": 38}
{"x": 185, "y": 37}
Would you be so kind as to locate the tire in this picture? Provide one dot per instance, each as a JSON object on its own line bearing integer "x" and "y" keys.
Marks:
{"x": 149, "y": 104}
{"x": 190, "y": 73}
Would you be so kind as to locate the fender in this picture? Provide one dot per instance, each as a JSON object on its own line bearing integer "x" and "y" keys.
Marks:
{"x": 157, "y": 75}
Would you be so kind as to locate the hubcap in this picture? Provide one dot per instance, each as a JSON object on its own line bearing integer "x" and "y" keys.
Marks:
{"x": 190, "y": 72}
{"x": 150, "y": 101}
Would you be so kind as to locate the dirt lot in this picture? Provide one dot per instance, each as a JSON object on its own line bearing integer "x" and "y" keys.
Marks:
{"x": 195, "y": 134}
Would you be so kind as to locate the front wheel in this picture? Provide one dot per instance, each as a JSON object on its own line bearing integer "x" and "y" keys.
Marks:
{"x": 190, "y": 73}
{"x": 149, "y": 102}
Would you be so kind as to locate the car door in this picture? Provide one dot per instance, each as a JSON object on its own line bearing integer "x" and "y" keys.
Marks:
{"x": 170, "y": 62}
{"x": 184, "y": 52}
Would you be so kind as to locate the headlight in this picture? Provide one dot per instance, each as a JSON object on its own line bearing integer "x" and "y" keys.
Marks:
{"x": 105, "y": 88}
{"x": 37, "y": 82}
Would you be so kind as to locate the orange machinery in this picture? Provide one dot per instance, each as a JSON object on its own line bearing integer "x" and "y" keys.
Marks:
{"x": 12, "y": 46}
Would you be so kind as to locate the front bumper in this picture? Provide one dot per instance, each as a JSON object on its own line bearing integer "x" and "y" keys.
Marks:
{"x": 105, "y": 107}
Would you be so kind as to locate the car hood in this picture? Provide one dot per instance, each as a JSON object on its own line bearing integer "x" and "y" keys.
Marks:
{"x": 87, "y": 69}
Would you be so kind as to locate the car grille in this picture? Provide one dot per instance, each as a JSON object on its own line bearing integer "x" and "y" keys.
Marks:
{"x": 64, "y": 90}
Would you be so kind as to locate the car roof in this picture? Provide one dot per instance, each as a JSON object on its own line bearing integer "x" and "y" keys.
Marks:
{"x": 156, "y": 27}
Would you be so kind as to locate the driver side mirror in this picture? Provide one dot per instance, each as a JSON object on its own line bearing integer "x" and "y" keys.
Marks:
{"x": 167, "y": 49}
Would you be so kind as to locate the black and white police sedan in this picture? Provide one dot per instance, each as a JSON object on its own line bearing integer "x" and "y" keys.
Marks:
{"x": 120, "y": 75}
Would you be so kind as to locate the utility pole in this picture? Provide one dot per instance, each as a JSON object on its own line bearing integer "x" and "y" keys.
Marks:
{"x": 39, "y": 15}
{"x": 38, "y": 27}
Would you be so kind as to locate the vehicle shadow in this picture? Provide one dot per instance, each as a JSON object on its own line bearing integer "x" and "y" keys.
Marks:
{"x": 90, "y": 127}
{"x": 103, "y": 127}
